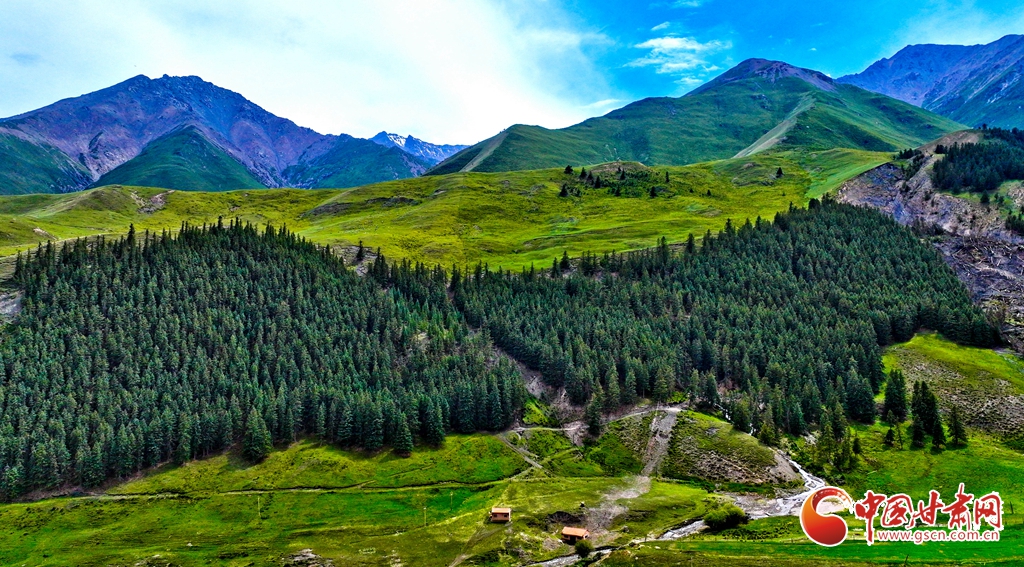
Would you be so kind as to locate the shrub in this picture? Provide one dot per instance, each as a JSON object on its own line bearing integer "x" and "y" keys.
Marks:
{"x": 725, "y": 517}
{"x": 584, "y": 547}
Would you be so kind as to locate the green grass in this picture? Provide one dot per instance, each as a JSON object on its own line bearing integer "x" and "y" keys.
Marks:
{"x": 977, "y": 368}
{"x": 505, "y": 219}
{"x": 462, "y": 459}
{"x": 221, "y": 511}
{"x": 707, "y": 449}
{"x": 615, "y": 453}
{"x": 719, "y": 121}
{"x": 985, "y": 385}
{"x": 31, "y": 168}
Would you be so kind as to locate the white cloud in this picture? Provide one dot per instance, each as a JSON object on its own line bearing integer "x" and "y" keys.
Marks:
{"x": 673, "y": 55}
{"x": 446, "y": 71}
{"x": 661, "y": 26}
{"x": 603, "y": 104}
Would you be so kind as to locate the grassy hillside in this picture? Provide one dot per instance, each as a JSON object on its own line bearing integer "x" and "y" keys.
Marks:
{"x": 351, "y": 162}
{"x": 27, "y": 167}
{"x": 508, "y": 219}
{"x": 725, "y": 119}
{"x": 183, "y": 160}
{"x": 351, "y": 508}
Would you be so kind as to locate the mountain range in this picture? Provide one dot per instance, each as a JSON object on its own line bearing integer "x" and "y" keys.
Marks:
{"x": 757, "y": 105}
{"x": 975, "y": 84}
{"x": 186, "y": 133}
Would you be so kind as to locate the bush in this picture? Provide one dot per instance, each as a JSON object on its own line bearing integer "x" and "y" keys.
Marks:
{"x": 584, "y": 547}
{"x": 725, "y": 517}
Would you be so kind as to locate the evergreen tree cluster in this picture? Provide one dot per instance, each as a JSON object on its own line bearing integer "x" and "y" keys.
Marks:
{"x": 775, "y": 323}
{"x": 154, "y": 348}
{"x": 984, "y": 166}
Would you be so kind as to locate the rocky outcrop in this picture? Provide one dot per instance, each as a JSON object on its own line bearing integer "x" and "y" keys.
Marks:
{"x": 972, "y": 237}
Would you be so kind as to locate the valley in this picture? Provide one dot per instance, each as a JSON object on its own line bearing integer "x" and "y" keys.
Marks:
{"x": 227, "y": 339}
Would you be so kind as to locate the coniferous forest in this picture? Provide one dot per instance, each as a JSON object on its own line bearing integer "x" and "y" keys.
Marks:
{"x": 982, "y": 167}
{"x": 158, "y": 347}
{"x": 128, "y": 354}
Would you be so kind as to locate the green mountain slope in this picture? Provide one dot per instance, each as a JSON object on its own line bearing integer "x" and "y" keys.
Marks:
{"x": 32, "y": 168}
{"x": 756, "y": 106}
{"x": 183, "y": 160}
{"x": 508, "y": 219}
{"x": 351, "y": 162}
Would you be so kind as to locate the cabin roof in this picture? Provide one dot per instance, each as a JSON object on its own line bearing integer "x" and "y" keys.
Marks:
{"x": 501, "y": 510}
{"x": 577, "y": 532}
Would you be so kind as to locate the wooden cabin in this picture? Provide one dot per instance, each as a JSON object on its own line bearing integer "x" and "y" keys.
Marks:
{"x": 572, "y": 535}
{"x": 501, "y": 515}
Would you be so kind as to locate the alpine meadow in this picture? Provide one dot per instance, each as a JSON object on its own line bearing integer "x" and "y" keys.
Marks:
{"x": 757, "y": 314}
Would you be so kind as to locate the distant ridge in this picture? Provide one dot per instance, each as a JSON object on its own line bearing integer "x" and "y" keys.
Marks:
{"x": 975, "y": 85}
{"x": 80, "y": 142}
{"x": 753, "y": 107}
{"x": 431, "y": 153}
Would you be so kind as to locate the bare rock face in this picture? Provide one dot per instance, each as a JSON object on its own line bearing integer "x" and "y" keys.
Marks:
{"x": 972, "y": 238}
{"x": 433, "y": 154}
{"x": 973, "y": 84}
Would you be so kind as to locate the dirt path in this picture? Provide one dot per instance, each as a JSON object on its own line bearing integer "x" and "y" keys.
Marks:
{"x": 661, "y": 435}
{"x": 527, "y": 456}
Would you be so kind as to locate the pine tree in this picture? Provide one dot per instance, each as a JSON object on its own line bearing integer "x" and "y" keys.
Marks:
{"x": 709, "y": 393}
{"x": 938, "y": 434}
{"x": 592, "y": 416}
{"x": 957, "y": 431}
{"x": 895, "y": 406}
{"x": 890, "y": 437}
{"x": 917, "y": 434}
{"x": 825, "y": 446}
{"x": 434, "y": 427}
{"x": 256, "y": 444}
{"x": 860, "y": 401}
{"x": 403, "y": 437}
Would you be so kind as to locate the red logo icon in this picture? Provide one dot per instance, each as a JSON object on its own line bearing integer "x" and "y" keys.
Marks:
{"x": 825, "y": 529}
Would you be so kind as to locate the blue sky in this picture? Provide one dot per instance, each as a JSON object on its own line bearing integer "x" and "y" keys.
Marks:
{"x": 455, "y": 71}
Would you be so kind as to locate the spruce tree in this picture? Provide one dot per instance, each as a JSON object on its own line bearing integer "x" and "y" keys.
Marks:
{"x": 403, "y": 437}
{"x": 592, "y": 416}
{"x": 895, "y": 406}
{"x": 917, "y": 434}
{"x": 256, "y": 444}
{"x": 938, "y": 434}
{"x": 957, "y": 431}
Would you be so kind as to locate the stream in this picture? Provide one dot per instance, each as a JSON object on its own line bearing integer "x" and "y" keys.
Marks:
{"x": 758, "y": 507}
